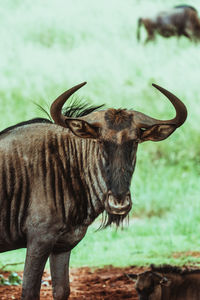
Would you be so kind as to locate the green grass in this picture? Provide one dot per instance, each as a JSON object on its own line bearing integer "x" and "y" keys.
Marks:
{"x": 47, "y": 47}
{"x": 144, "y": 241}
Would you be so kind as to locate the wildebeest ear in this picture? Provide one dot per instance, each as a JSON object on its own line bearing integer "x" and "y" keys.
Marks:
{"x": 157, "y": 133}
{"x": 82, "y": 128}
{"x": 132, "y": 276}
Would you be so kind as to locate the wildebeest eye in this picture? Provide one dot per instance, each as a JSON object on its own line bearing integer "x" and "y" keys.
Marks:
{"x": 142, "y": 130}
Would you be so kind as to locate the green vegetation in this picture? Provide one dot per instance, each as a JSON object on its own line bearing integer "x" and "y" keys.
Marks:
{"x": 47, "y": 47}
{"x": 13, "y": 279}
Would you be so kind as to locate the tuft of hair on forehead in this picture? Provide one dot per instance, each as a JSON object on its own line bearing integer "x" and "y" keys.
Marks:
{"x": 77, "y": 108}
{"x": 118, "y": 119}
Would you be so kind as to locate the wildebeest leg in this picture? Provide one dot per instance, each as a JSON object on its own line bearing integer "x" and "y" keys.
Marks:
{"x": 150, "y": 32}
{"x": 36, "y": 258}
{"x": 149, "y": 38}
{"x": 59, "y": 265}
{"x": 187, "y": 35}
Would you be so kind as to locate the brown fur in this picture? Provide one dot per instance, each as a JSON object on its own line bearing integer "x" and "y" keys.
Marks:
{"x": 168, "y": 283}
{"x": 179, "y": 21}
{"x": 118, "y": 119}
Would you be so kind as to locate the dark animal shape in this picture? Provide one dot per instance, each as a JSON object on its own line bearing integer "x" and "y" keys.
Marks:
{"x": 57, "y": 178}
{"x": 168, "y": 283}
{"x": 185, "y": 6}
{"x": 178, "y": 21}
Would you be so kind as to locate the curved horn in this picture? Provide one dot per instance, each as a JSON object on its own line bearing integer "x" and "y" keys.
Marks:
{"x": 181, "y": 110}
{"x": 56, "y": 106}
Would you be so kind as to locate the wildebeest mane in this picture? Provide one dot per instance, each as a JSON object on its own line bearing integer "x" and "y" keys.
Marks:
{"x": 173, "y": 269}
{"x": 185, "y": 6}
{"x": 32, "y": 121}
{"x": 77, "y": 108}
{"x": 166, "y": 269}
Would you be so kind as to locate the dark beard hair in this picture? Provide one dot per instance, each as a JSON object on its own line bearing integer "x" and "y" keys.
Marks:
{"x": 109, "y": 219}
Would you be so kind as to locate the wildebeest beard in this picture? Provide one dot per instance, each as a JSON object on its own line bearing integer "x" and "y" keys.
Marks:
{"x": 109, "y": 219}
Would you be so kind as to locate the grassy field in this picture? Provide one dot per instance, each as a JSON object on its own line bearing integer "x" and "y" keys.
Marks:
{"x": 47, "y": 47}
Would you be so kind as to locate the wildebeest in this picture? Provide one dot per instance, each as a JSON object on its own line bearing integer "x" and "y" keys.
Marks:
{"x": 182, "y": 20}
{"x": 168, "y": 283}
{"x": 56, "y": 178}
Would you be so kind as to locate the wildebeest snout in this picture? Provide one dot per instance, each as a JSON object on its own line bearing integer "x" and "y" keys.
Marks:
{"x": 118, "y": 205}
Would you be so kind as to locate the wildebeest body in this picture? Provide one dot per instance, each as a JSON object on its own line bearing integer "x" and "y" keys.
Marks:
{"x": 57, "y": 178}
{"x": 179, "y": 21}
{"x": 43, "y": 171}
{"x": 168, "y": 283}
{"x": 25, "y": 165}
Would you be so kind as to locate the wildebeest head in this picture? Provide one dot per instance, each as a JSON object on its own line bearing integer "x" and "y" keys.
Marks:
{"x": 118, "y": 132}
{"x": 149, "y": 285}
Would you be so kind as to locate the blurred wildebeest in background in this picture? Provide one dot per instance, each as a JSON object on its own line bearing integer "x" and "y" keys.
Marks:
{"x": 168, "y": 283}
{"x": 57, "y": 178}
{"x": 181, "y": 20}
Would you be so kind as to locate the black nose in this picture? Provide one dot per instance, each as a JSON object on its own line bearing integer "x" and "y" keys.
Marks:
{"x": 120, "y": 196}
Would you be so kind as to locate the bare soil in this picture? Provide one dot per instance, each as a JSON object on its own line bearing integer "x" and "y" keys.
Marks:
{"x": 93, "y": 284}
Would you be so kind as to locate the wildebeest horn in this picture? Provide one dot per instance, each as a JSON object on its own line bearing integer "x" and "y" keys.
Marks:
{"x": 132, "y": 276}
{"x": 181, "y": 112}
{"x": 56, "y": 107}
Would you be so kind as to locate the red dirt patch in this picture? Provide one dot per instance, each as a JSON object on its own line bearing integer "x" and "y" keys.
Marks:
{"x": 186, "y": 254}
{"x": 108, "y": 283}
